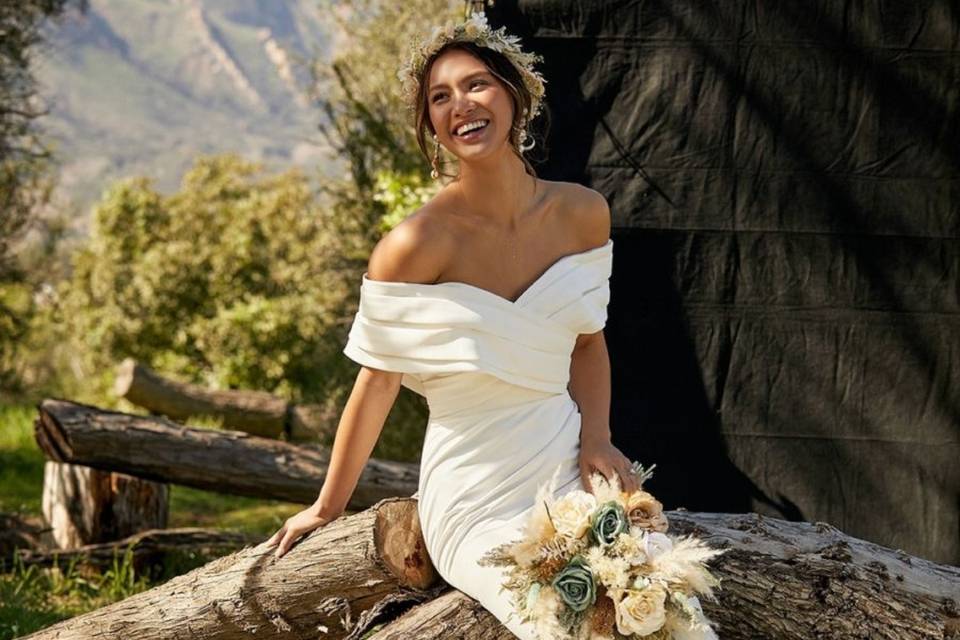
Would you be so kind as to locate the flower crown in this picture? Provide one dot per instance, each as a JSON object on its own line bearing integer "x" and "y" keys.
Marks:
{"x": 474, "y": 29}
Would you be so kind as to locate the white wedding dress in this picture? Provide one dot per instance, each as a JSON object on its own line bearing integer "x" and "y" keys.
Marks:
{"x": 494, "y": 374}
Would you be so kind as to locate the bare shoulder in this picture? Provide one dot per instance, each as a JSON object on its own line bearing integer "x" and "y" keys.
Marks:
{"x": 415, "y": 250}
{"x": 588, "y": 212}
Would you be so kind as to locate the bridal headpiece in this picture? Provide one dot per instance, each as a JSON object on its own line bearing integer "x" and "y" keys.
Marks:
{"x": 474, "y": 29}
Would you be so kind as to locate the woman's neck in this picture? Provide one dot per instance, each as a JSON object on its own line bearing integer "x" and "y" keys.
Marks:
{"x": 499, "y": 189}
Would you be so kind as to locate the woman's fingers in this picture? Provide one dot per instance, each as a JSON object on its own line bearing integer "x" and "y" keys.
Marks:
{"x": 272, "y": 540}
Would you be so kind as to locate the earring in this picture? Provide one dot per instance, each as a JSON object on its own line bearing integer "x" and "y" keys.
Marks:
{"x": 522, "y": 137}
{"x": 435, "y": 163}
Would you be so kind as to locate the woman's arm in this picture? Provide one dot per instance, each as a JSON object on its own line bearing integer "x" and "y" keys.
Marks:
{"x": 590, "y": 389}
{"x": 590, "y": 371}
{"x": 360, "y": 426}
{"x": 590, "y": 386}
{"x": 398, "y": 256}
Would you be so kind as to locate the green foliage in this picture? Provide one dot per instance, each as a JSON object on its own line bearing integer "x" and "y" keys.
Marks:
{"x": 224, "y": 283}
{"x": 25, "y": 183}
{"x": 400, "y": 195}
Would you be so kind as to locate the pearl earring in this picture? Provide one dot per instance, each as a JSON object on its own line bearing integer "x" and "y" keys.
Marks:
{"x": 436, "y": 159}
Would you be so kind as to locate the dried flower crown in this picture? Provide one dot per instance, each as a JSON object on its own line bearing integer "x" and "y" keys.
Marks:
{"x": 474, "y": 29}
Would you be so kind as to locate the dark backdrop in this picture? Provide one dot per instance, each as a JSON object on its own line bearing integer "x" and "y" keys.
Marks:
{"x": 783, "y": 179}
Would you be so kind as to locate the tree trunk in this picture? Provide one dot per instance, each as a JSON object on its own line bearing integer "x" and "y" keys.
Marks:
{"x": 324, "y": 584}
{"x": 223, "y": 461}
{"x": 147, "y": 545}
{"x": 452, "y": 615}
{"x": 255, "y": 412}
{"x": 86, "y": 506}
{"x": 781, "y": 580}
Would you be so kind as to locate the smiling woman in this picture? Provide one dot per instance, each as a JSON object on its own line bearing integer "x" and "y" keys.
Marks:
{"x": 480, "y": 301}
{"x": 463, "y": 72}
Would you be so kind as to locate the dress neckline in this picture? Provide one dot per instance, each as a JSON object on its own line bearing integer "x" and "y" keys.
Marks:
{"x": 481, "y": 290}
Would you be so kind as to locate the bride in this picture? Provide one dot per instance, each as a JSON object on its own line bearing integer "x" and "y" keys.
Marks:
{"x": 490, "y": 301}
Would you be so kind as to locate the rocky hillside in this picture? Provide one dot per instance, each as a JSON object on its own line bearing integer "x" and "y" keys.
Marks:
{"x": 140, "y": 87}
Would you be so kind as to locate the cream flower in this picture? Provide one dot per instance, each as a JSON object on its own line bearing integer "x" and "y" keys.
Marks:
{"x": 695, "y": 627}
{"x": 545, "y": 613}
{"x": 640, "y": 612}
{"x": 571, "y": 514}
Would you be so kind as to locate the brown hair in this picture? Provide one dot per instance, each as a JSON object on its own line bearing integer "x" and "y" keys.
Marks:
{"x": 504, "y": 70}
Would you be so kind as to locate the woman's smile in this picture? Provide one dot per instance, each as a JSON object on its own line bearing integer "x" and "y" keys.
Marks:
{"x": 475, "y": 134}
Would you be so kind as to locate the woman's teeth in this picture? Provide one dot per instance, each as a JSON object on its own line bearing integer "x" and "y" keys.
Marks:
{"x": 473, "y": 130}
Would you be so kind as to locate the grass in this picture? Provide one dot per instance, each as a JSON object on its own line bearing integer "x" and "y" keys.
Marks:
{"x": 32, "y": 598}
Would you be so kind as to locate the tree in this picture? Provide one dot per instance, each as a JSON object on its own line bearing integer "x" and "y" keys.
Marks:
{"x": 25, "y": 183}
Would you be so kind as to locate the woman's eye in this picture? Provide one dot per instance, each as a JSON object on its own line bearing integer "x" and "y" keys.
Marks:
{"x": 437, "y": 96}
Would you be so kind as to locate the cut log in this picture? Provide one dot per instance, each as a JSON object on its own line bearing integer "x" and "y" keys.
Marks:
{"x": 451, "y": 615}
{"x": 782, "y": 580}
{"x": 17, "y": 532}
{"x": 86, "y": 506}
{"x": 321, "y": 587}
{"x": 146, "y": 545}
{"x": 797, "y": 580}
{"x": 158, "y": 449}
{"x": 255, "y": 412}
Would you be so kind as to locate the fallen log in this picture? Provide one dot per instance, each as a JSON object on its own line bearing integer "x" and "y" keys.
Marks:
{"x": 784, "y": 580}
{"x": 451, "y": 615}
{"x": 158, "y": 449}
{"x": 144, "y": 546}
{"x": 254, "y": 412}
{"x": 87, "y": 506}
{"x": 324, "y": 584}
{"x": 16, "y": 532}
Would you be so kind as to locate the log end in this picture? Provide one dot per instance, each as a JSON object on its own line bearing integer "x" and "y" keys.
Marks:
{"x": 400, "y": 540}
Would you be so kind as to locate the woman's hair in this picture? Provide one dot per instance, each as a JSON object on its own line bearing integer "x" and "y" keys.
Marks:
{"x": 501, "y": 67}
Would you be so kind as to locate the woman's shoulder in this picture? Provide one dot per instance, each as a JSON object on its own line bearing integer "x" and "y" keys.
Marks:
{"x": 583, "y": 209}
{"x": 415, "y": 250}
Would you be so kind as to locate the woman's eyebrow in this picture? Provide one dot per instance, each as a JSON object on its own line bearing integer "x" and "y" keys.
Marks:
{"x": 472, "y": 75}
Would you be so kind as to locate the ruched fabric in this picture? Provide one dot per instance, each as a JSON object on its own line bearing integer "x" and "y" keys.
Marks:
{"x": 494, "y": 373}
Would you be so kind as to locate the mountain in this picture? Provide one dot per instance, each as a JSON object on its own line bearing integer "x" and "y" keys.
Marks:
{"x": 141, "y": 87}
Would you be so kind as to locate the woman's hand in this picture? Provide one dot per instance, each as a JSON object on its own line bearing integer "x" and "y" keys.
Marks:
{"x": 599, "y": 454}
{"x": 297, "y": 526}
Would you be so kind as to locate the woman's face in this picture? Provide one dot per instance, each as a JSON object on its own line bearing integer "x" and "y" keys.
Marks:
{"x": 461, "y": 89}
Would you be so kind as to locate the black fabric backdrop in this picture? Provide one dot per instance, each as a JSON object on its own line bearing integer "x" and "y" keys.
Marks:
{"x": 784, "y": 324}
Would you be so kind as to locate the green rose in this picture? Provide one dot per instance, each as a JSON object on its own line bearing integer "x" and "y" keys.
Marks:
{"x": 575, "y": 584}
{"x": 608, "y": 522}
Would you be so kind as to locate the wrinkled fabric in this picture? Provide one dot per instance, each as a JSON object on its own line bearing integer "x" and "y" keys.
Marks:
{"x": 494, "y": 374}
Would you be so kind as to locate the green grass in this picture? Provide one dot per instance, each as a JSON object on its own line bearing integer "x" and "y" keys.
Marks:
{"x": 32, "y": 598}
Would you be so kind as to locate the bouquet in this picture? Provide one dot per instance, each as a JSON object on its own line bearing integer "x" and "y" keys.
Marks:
{"x": 600, "y": 566}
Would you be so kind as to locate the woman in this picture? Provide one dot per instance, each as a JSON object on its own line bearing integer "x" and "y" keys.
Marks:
{"x": 490, "y": 301}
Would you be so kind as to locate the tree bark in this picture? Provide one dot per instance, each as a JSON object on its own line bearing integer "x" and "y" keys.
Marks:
{"x": 224, "y": 461}
{"x": 146, "y": 546}
{"x": 451, "y": 615}
{"x": 85, "y": 506}
{"x": 780, "y": 580}
{"x": 254, "y": 412}
{"x": 323, "y": 585}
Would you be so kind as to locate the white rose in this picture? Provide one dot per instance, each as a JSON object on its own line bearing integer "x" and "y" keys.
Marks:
{"x": 655, "y": 544}
{"x": 640, "y": 612}
{"x": 571, "y": 514}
